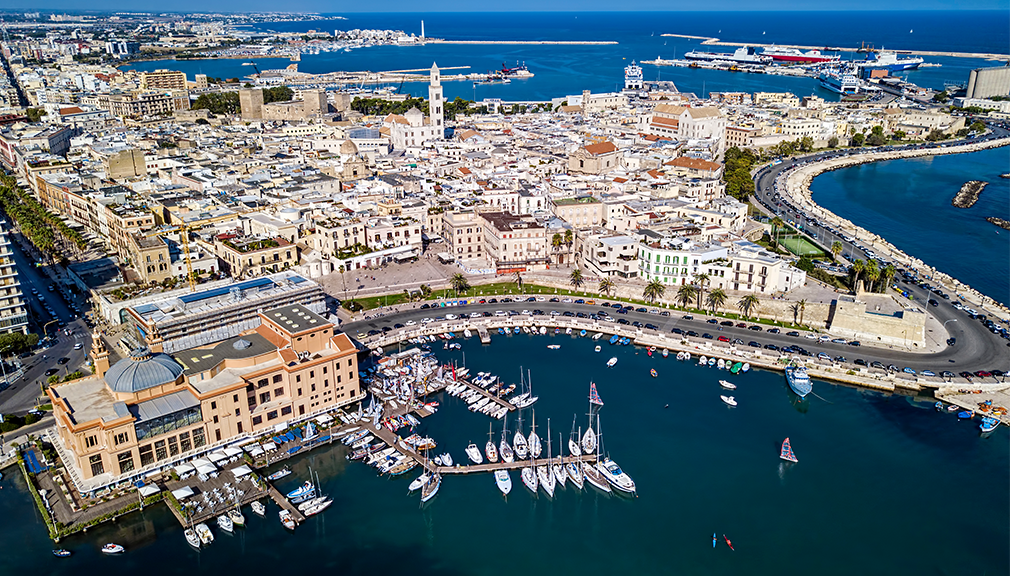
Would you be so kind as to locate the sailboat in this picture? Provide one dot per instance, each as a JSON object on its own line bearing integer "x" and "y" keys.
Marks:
{"x": 787, "y": 452}
{"x": 529, "y": 478}
{"x": 503, "y": 447}
{"x": 504, "y": 481}
{"x": 489, "y": 450}
{"x": 535, "y": 447}
{"x": 573, "y": 442}
{"x": 574, "y": 470}
{"x": 519, "y": 441}
{"x": 557, "y": 468}
{"x": 589, "y": 439}
{"x": 430, "y": 488}
{"x": 544, "y": 473}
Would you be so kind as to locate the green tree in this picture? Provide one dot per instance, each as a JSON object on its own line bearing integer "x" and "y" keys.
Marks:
{"x": 576, "y": 279}
{"x": 836, "y": 248}
{"x": 16, "y": 343}
{"x": 833, "y": 142}
{"x": 277, "y": 94}
{"x": 218, "y": 102}
{"x": 459, "y": 283}
{"x": 777, "y": 224}
{"x": 806, "y": 144}
{"x": 877, "y": 137}
{"x": 857, "y": 268}
{"x": 606, "y": 285}
{"x": 872, "y": 273}
{"x": 857, "y": 139}
{"x": 802, "y": 306}
{"x": 887, "y": 274}
{"x": 898, "y": 135}
{"x": 569, "y": 240}
{"x": 556, "y": 242}
{"x": 700, "y": 280}
{"x": 941, "y": 97}
{"x": 934, "y": 135}
{"x": 35, "y": 114}
{"x": 654, "y": 290}
{"x": 977, "y": 127}
{"x": 686, "y": 294}
{"x": 748, "y": 303}
{"x": 716, "y": 299}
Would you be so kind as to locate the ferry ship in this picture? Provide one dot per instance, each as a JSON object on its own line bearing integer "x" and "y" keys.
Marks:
{"x": 891, "y": 61}
{"x": 744, "y": 55}
{"x": 795, "y": 56}
{"x": 839, "y": 81}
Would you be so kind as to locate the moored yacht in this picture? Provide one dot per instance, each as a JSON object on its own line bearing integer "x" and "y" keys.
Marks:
{"x": 473, "y": 452}
{"x": 798, "y": 380}
{"x": 574, "y": 470}
{"x": 617, "y": 477}
{"x": 529, "y": 478}
{"x": 504, "y": 481}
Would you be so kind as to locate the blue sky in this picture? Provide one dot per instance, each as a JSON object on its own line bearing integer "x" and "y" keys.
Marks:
{"x": 512, "y": 5}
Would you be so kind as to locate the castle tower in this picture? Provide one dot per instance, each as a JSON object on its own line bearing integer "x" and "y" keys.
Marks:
{"x": 99, "y": 354}
{"x": 435, "y": 103}
{"x": 251, "y": 100}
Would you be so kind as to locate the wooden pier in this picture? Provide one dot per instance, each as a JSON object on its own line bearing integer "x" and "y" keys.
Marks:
{"x": 286, "y": 504}
{"x": 501, "y": 402}
{"x": 502, "y": 465}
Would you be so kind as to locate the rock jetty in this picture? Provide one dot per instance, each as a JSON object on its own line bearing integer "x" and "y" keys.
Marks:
{"x": 1007, "y": 175}
{"x": 968, "y": 194}
{"x": 1004, "y": 224}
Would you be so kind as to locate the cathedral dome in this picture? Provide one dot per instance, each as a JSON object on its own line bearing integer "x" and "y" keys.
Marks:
{"x": 348, "y": 147}
{"x": 142, "y": 370}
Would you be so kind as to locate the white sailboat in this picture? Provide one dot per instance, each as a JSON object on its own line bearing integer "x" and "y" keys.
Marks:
{"x": 573, "y": 441}
{"x": 574, "y": 470}
{"x": 546, "y": 480}
{"x": 519, "y": 441}
{"x": 535, "y": 447}
{"x": 529, "y": 479}
{"x": 503, "y": 447}
{"x": 589, "y": 442}
{"x": 489, "y": 450}
{"x": 558, "y": 468}
{"x": 504, "y": 481}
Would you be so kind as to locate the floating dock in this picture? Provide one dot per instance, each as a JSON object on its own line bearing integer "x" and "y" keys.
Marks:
{"x": 485, "y": 336}
{"x": 502, "y": 465}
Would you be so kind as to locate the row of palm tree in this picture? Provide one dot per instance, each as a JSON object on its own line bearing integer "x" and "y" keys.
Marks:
{"x": 872, "y": 272}
{"x": 45, "y": 230}
{"x": 559, "y": 240}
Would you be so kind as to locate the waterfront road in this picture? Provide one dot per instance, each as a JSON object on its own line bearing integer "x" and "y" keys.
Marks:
{"x": 975, "y": 349}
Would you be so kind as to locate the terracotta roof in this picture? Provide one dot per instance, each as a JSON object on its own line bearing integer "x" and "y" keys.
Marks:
{"x": 620, "y": 180}
{"x": 71, "y": 110}
{"x": 671, "y": 122}
{"x": 693, "y": 164}
{"x": 395, "y": 118}
{"x": 464, "y": 170}
{"x": 601, "y": 148}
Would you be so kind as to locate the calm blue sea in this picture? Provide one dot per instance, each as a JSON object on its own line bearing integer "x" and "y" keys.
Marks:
{"x": 908, "y": 203}
{"x": 884, "y": 485}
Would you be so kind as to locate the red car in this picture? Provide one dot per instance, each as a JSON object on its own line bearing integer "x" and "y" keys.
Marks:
{"x": 723, "y": 339}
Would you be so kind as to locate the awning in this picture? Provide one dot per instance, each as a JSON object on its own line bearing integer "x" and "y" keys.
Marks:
{"x": 241, "y": 471}
{"x": 324, "y": 419}
{"x": 152, "y": 473}
{"x": 149, "y": 489}
{"x": 199, "y": 462}
{"x": 269, "y": 446}
{"x": 232, "y": 451}
{"x": 256, "y": 451}
{"x": 217, "y": 456}
{"x": 182, "y": 493}
{"x": 183, "y": 469}
{"x": 206, "y": 469}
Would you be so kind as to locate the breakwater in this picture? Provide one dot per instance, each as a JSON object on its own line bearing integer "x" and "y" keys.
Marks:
{"x": 526, "y": 42}
{"x": 968, "y": 194}
{"x": 1004, "y": 224}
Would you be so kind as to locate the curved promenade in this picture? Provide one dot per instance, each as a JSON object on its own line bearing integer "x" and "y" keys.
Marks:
{"x": 797, "y": 188}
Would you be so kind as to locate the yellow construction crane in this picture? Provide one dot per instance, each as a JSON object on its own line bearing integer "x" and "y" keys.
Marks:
{"x": 183, "y": 231}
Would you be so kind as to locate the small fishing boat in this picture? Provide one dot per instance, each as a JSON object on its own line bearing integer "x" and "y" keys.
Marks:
{"x": 729, "y": 400}
{"x": 504, "y": 481}
{"x": 303, "y": 492}
{"x": 112, "y": 548}
{"x": 192, "y": 538}
{"x": 649, "y": 351}
{"x": 787, "y": 452}
{"x": 665, "y": 352}
{"x": 598, "y": 348}
{"x": 61, "y": 553}
{"x": 553, "y": 346}
{"x": 953, "y": 408}
{"x": 938, "y": 406}
{"x": 614, "y": 339}
{"x": 728, "y": 543}
{"x": 727, "y": 385}
{"x": 598, "y": 335}
{"x": 611, "y": 362}
{"x": 988, "y": 424}
{"x": 721, "y": 364}
{"x": 225, "y": 523}
{"x": 582, "y": 333}
{"x": 473, "y": 452}
{"x": 286, "y": 520}
{"x": 447, "y": 459}
{"x": 653, "y": 372}
{"x": 204, "y": 533}
{"x": 736, "y": 368}
{"x": 745, "y": 367}
{"x": 711, "y": 362}
{"x": 279, "y": 474}
{"x": 703, "y": 361}
{"x": 966, "y": 414}
{"x": 258, "y": 508}
{"x": 568, "y": 331}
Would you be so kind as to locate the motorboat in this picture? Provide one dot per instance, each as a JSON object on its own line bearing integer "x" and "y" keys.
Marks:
{"x": 729, "y": 400}
{"x": 745, "y": 367}
{"x": 553, "y": 346}
{"x": 727, "y": 385}
{"x": 279, "y": 474}
{"x": 430, "y": 488}
{"x": 596, "y": 478}
{"x": 447, "y": 460}
{"x": 798, "y": 380}
{"x": 225, "y": 523}
{"x": 303, "y": 492}
{"x": 203, "y": 533}
{"x": 617, "y": 477}
{"x": 598, "y": 348}
{"x": 112, "y": 548}
{"x": 574, "y": 470}
{"x": 192, "y": 538}
{"x": 665, "y": 352}
{"x": 529, "y": 479}
{"x": 504, "y": 481}
{"x": 258, "y": 508}
{"x": 418, "y": 482}
{"x": 612, "y": 362}
{"x": 286, "y": 520}
{"x": 988, "y": 424}
{"x": 61, "y": 553}
{"x": 236, "y": 517}
{"x": 653, "y": 372}
{"x": 473, "y": 452}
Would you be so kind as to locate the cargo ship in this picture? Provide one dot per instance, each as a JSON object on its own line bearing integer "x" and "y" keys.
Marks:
{"x": 891, "y": 61}
{"x": 744, "y": 55}
{"x": 795, "y": 56}
{"x": 839, "y": 81}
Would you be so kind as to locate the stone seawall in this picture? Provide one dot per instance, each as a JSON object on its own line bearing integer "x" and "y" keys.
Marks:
{"x": 968, "y": 195}
{"x": 798, "y": 188}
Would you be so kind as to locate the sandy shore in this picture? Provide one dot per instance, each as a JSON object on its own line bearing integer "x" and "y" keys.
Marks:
{"x": 797, "y": 186}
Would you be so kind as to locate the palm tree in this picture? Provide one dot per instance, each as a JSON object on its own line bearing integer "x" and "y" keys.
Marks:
{"x": 872, "y": 274}
{"x": 748, "y": 303}
{"x": 686, "y": 293}
{"x": 836, "y": 248}
{"x": 701, "y": 280}
{"x": 857, "y": 268}
{"x": 556, "y": 242}
{"x": 887, "y": 274}
{"x": 802, "y": 305}
{"x": 716, "y": 298}
{"x": 795, "y": 308}
{"x": 575, "y": 279}
{"x": 776, "y": 224}
{"x": 569, "y": 240}
{"x": 459, "y": 283}
{"x": 606, "y": 285}
{"x": 654, "y": 290}
{"x": 519, "y": 280}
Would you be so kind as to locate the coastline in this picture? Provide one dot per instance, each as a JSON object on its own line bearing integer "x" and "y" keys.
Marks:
{"x": 797, "y": 187}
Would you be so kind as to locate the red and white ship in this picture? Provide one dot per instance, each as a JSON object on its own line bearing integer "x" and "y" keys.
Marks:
{"x": 797, "y": 56}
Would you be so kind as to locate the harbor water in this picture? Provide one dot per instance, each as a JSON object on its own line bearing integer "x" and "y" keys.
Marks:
{"x": 569, "y": 69}
{"x": 882, "y": 480}
{"x": 916, "y": 216}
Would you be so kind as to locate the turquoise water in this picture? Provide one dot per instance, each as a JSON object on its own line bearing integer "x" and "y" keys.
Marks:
{"x": 565, "y": 70}
{"x": 908, "y": 203}
{"x": 870, "y": 488}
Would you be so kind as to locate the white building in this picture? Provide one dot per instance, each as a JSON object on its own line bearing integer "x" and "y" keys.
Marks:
{"x": 412, "y": 129}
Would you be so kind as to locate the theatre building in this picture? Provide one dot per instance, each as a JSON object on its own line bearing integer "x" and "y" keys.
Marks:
{"x": 153, "y": 410}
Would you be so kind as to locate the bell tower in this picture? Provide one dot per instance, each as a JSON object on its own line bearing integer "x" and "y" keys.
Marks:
{"x": 154, "y": 340}
{"x": 436, "y": 113}
{"x": 99, "y": 354}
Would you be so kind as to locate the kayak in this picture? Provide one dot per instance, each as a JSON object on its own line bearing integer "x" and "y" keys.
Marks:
{"x": 728, "y": 543}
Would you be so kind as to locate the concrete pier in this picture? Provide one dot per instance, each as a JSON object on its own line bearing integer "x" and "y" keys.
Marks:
{"x": 485, "y": 337}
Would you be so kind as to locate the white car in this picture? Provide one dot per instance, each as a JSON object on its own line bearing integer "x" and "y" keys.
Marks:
{"x": 824, "y": 338}
{"x": 78, "y": 346}
{"x": 475, "y": 314}
{"x": 450, "y": 316}
{"x": 567, "y": 300}
{"x": 526, "y": 313}
{"x": 541, "y": 299}
{"x": 425, "y": 320}
{"x": 500, "y": 313}
{"x": 810, "y": 336}
{"x": 410, "y": 323}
